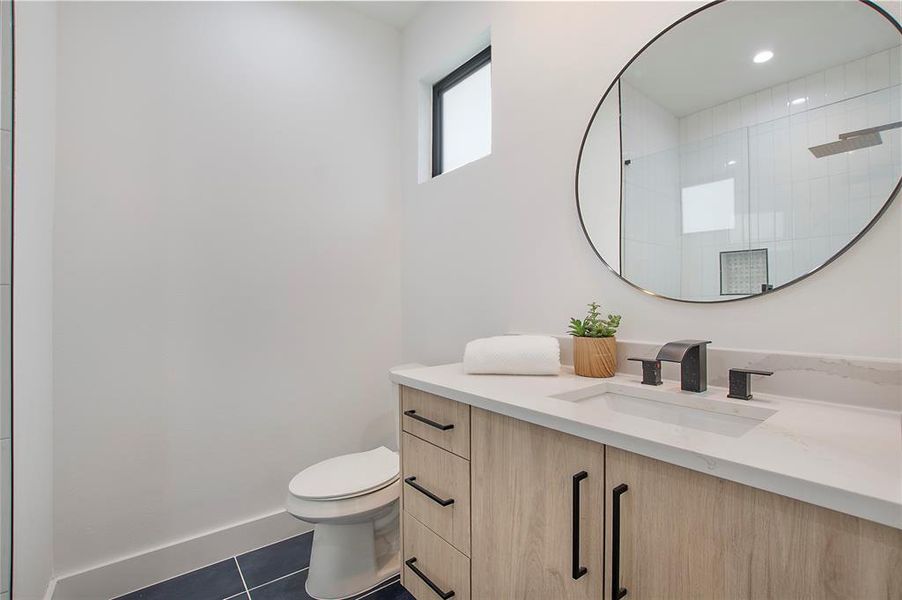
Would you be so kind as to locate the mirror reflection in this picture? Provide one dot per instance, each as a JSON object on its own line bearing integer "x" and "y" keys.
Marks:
{"x": 745, "y": 148}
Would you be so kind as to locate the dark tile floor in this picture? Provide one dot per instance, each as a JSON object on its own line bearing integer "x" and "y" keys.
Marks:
{"x": 274, "y": 572}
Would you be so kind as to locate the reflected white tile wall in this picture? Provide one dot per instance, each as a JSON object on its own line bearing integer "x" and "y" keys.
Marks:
{"x": 650, "y": 253}
{"x": 802, "y": 208}
{"x": 723, "y": 156}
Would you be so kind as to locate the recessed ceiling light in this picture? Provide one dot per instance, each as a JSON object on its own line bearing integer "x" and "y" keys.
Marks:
{"x": 730, "y": 163}
{"x": 763, "y": 56}
{"x": 797, "y": 101}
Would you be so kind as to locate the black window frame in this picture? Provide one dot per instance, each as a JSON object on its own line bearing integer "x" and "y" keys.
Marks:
{"x": 481, "y": 59}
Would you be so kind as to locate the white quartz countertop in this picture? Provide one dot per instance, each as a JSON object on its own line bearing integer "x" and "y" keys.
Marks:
{"x": 840, "y": 457}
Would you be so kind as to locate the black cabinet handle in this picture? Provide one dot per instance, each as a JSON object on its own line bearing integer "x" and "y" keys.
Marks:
{"x": 413, "y": 415}
{"x": 578, "y": 571}
{"x": 443, "y": 595}
{"x": 617, "y": 592}
{"x": 411, "y": 481}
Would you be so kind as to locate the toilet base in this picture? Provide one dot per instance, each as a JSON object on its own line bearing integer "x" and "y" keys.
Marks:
{"x": 354, "y": 594}
{"x": 349, "y": 558}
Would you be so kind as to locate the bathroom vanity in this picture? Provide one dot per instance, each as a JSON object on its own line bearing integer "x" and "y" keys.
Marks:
{"x": 566, "y": 487}
{"x": 704, "y": 175}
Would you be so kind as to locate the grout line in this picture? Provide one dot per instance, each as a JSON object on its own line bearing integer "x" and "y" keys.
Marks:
{"x": 240, "y": 574}
{"x": 156, "y": 583}
{"x": 257, "y": 587}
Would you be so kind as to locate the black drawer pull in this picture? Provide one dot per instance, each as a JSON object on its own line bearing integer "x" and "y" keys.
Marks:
{"x": 413, "y": 415}
{"x": 411, "y": 481}
{"x": 578, "y": 571}
{"x": 443, "y": 595}
{"x": 617, "y": 592}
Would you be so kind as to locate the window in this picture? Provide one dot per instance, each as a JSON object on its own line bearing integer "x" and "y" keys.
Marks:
{"x": 462, "y": 114}
{"x": 709, "y": 206}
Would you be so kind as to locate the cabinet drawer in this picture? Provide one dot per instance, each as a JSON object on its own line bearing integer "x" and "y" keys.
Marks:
{"x": 443, "y": 422}
{"x": 432, "y": 566}
{"x": 437, "y": 490}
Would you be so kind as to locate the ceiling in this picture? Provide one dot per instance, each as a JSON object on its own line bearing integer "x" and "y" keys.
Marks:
{"x": 707, "y": 59}
{"x": 396, "y": 14}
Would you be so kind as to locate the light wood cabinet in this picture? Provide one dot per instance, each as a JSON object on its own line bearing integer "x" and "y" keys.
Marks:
{"x": 437, "y": 420}
{"x": 435, "y": 502}
{"x": 437, "y": 490}
{"x": 522, "y": 508}
{"x": 687, "y": 535}
{"x": 683, "y": 535}
{"x": 432, "y": 567}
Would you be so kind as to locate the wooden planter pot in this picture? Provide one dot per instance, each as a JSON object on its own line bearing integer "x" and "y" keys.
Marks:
{"x": 595, "y": 357}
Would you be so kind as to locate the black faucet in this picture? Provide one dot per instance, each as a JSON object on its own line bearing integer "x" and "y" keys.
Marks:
{"x": 693, "y": 358}
{"x": 741, "y": 382}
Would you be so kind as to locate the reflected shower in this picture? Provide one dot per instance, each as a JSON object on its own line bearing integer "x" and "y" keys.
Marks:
{"x": 854, "y": 140}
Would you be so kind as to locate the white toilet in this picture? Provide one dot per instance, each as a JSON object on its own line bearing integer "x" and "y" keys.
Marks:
{"x": 353, "y": 502}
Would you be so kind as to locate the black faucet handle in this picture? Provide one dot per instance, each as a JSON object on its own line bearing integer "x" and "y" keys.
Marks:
{"x": 651, "y": 370}
{"x": 741, "y": 382}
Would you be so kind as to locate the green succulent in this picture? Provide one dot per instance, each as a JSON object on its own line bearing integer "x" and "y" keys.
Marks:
{"x": 593, "y": 325}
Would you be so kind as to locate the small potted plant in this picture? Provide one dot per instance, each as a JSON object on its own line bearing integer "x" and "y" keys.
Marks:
{"x": 594, "y": 344}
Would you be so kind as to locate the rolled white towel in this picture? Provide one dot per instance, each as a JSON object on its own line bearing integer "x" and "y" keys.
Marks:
{"x": 513, "y": 355}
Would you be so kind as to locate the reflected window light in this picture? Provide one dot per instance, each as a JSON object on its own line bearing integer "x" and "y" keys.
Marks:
{"x": 709, "y": 206}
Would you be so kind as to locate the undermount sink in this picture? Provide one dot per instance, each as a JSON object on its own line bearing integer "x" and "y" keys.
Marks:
{"x": 703, "y": 413}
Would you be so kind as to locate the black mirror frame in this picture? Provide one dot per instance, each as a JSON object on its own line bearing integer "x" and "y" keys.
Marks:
{"x": 582, "y": 146}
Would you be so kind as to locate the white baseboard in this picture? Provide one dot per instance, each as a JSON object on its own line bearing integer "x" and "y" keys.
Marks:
{"x": 158, "y": 564}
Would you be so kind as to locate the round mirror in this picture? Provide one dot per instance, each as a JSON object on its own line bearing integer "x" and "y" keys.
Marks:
{"x": 745, "y": 147}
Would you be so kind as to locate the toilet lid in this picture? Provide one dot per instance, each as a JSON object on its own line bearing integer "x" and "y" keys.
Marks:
{"x": 346, "y": 476}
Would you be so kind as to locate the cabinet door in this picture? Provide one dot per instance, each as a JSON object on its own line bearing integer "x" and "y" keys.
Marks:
{"x": 522, "y": 509}
{"x": 684, "y": 534}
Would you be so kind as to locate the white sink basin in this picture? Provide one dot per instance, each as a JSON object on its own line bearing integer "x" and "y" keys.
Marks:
{"x": 685, "y": 409}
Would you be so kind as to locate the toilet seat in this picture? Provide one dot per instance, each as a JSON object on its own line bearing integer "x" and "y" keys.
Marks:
{"x": 347, "y": 476}
{"x": 353, "y": 502}
{"x": 345, "y": 510}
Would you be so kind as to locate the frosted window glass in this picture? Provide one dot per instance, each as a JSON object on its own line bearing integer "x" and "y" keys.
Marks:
{"x": 709, "y": 206}
{"x": 467, "y": 120}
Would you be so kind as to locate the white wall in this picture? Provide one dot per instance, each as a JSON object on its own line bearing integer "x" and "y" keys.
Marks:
{"x": 496, "y": 246}
{"x": 33, "y": 296}
{"x": 227, "y": 266}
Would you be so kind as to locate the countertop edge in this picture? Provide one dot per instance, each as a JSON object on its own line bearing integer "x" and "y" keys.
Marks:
{"x": 838, "y": 499}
